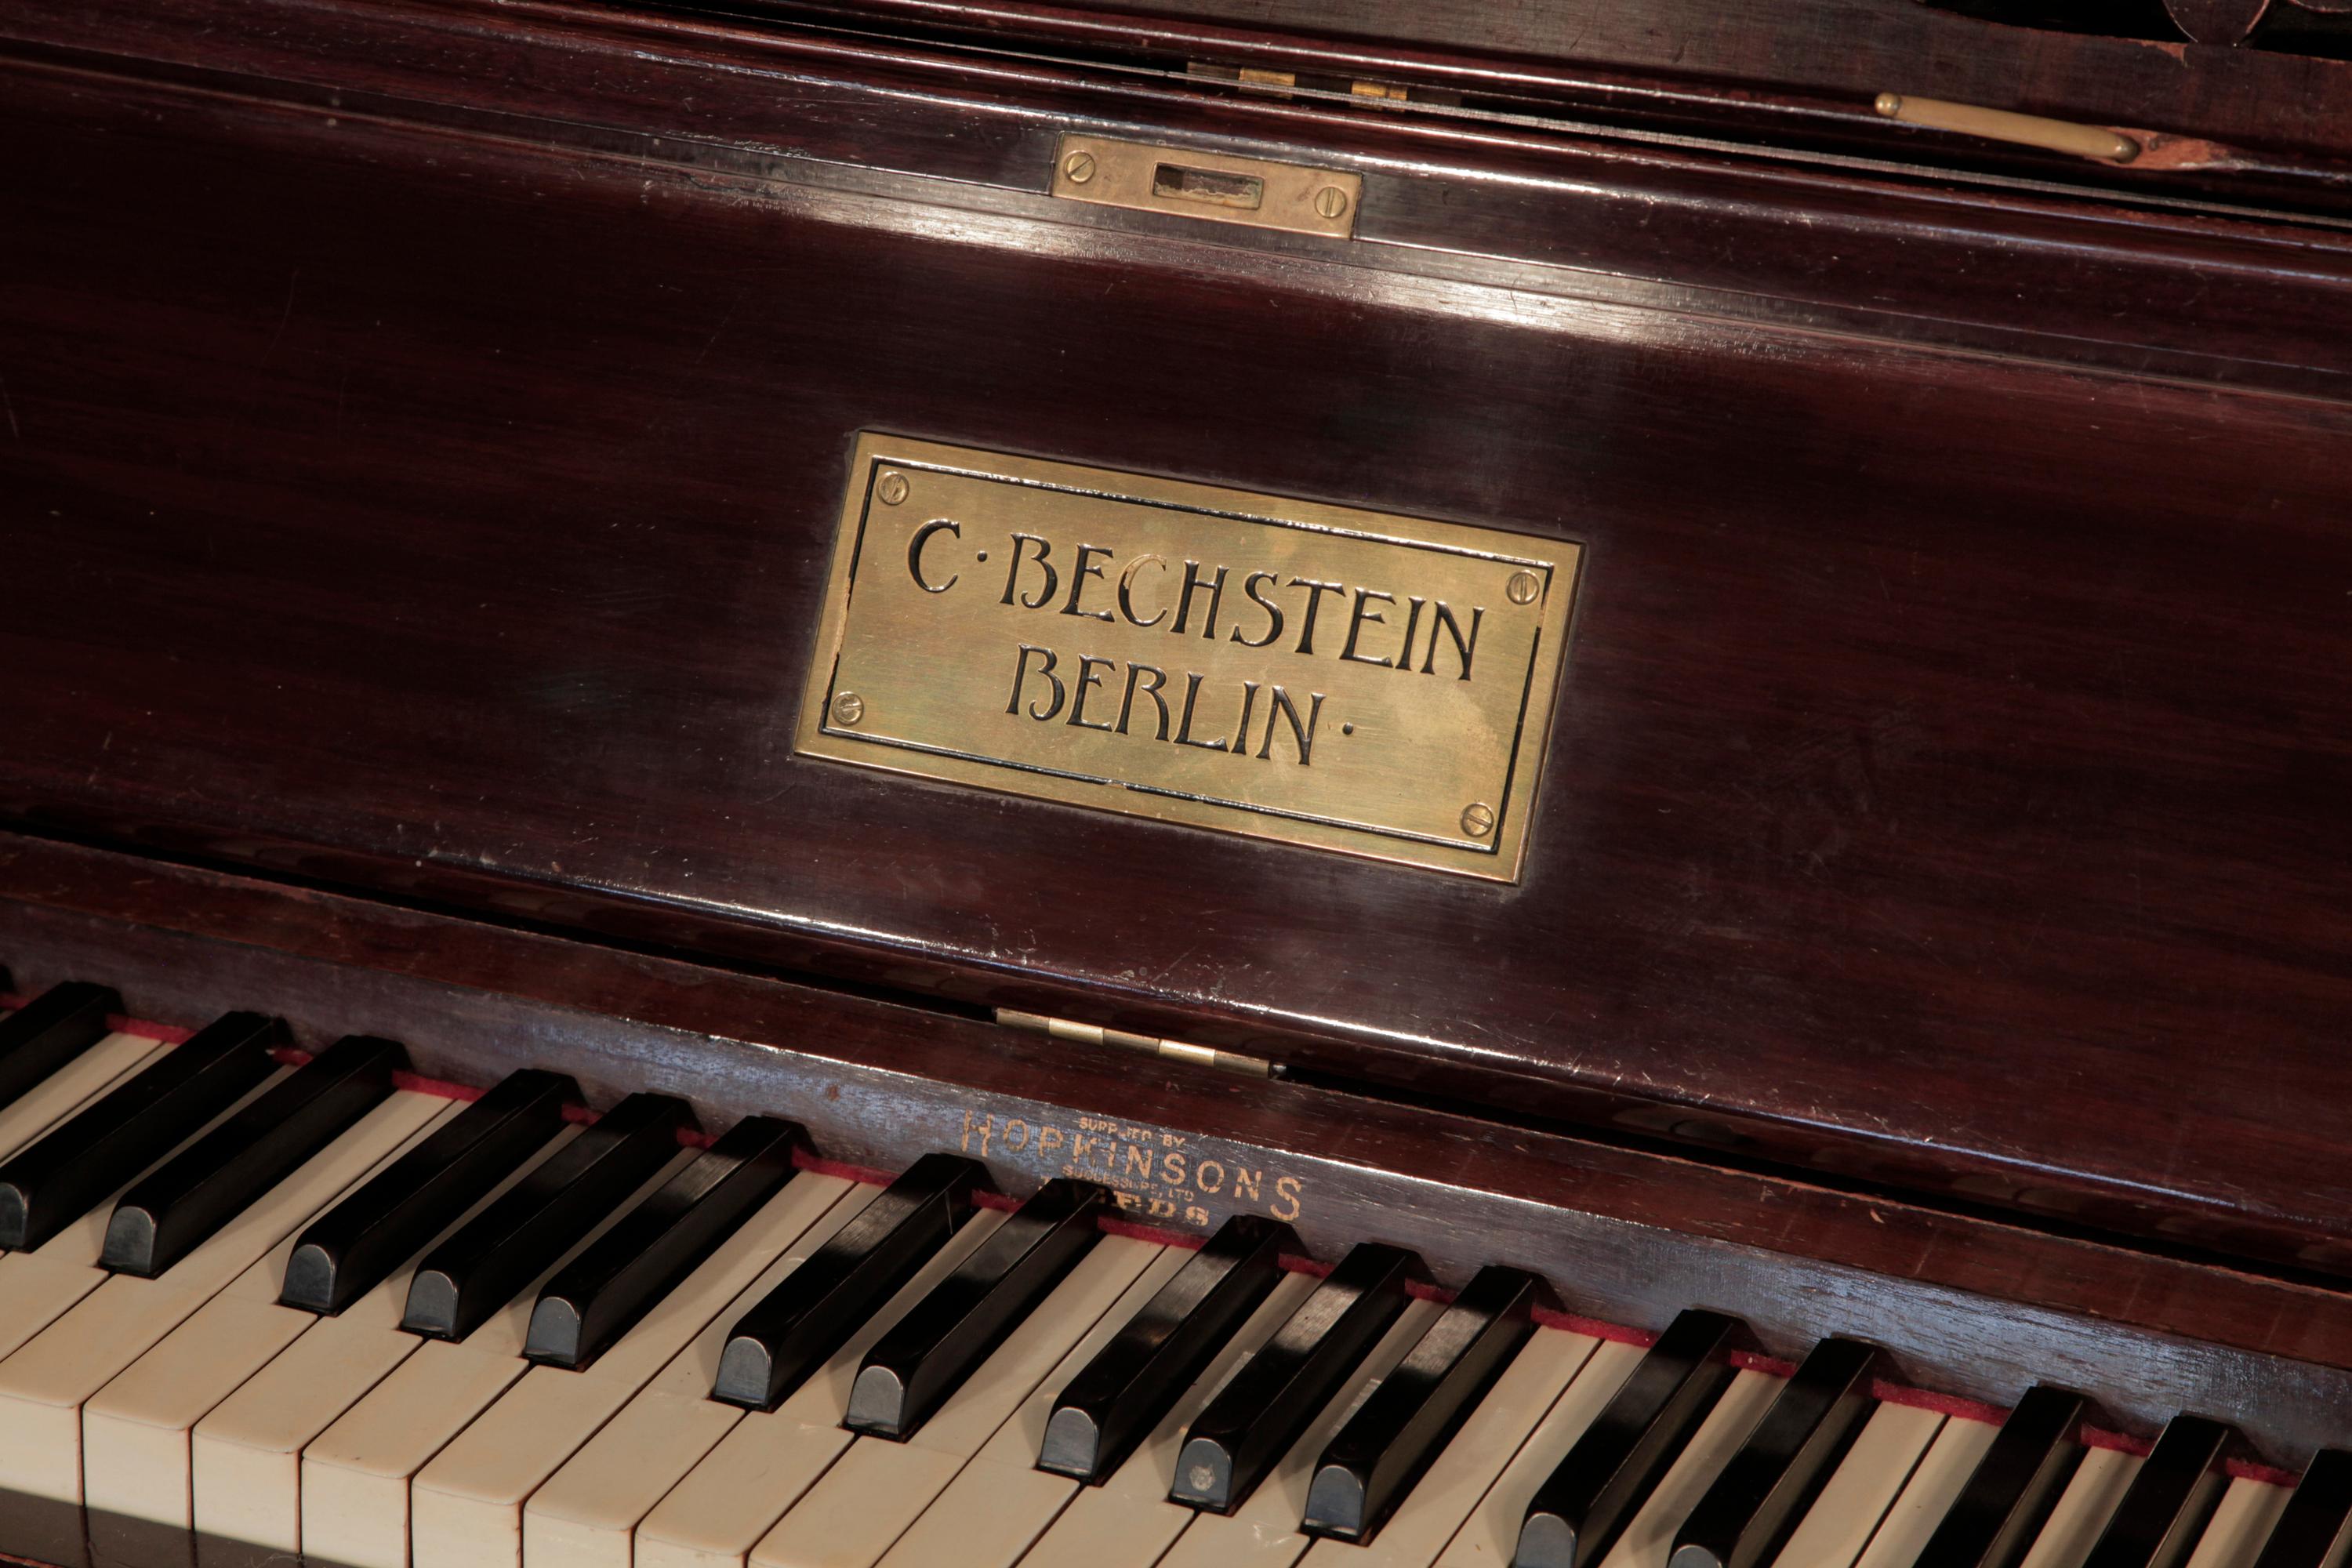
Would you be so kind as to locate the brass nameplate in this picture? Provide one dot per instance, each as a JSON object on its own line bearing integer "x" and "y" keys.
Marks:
{"x": 1318, "y": 674}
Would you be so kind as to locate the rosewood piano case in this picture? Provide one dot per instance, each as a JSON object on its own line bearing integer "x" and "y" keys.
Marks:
{"x": 425, "y": 429}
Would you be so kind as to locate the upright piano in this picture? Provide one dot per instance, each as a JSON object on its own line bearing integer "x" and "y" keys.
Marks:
{"x": 1217, "y": 784}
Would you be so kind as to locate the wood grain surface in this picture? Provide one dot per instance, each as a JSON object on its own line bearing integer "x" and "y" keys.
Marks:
{"x": 1967, "y": 1305}
{"x": 1836, "y": 48}
{"x": 419, "y": 464}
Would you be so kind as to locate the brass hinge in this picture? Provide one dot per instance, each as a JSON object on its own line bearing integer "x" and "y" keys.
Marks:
{"x": 1284, "y": 83}
{"x": 1148, "y": 1045}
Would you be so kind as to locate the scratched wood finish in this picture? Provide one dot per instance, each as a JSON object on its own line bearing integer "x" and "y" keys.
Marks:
{"x": 1833, "y": 49}
{"x": 1967, "y": 1305}
{"x": 1543, "y": 216}
{"x": 1791, "y": 75}
{"x": 1948, "y": 787}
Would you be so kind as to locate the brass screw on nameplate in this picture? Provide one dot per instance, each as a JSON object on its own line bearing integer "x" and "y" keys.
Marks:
{"x": 1478, "y": 819}
{"x": 1330, "y": 201}
{"x": 848, "y": 708}
{"x": 892, "y": 490}
{"x": 1523, "y": 587}
{"x": 1079, "y": 167}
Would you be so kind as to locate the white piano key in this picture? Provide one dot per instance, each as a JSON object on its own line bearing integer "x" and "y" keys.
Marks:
{"x": 73, "y": 1086}
{"x": 587, "y": 1514}
{"x": 2233, "y": 1537}
{"x": 2082, "y": 1509}
{"x": 355, "y": 1476}
{"x": 1873, "y": 1474}
{"x": 1264, "y": 1531}
{"x": 466, "y": 1505}
{"x": 877, "y": 1489}
{"x": 770, "y": 1458}
{"x": 1474, "y": 1459}
{"x": 1490, "y": 1534}
{"x": 39, "y": 1287}
{"x": 136, "y": 1430}
{"x": 1649, "y": 1537}
{"x": 1942, "y": 1475}
{"x": 135, "y": 1465}
{"x": 245, "y": 1456}
{"x": 1128, "y": 1521}
{"x": 996, "y": 1505}
{"x": 45, "y": 1382}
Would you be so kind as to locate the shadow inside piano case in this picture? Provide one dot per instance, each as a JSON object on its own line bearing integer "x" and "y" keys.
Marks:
{"x": 433, "y": 505}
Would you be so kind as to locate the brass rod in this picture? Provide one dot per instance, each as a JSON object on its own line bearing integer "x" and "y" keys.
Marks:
{"x": 2001, "y": 125}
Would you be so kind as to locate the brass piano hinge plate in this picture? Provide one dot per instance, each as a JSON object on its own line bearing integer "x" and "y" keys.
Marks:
{"x": 1286, "y": 84}
{"x": 1146, "y": 1045}
{"x": 1216, "y": 187}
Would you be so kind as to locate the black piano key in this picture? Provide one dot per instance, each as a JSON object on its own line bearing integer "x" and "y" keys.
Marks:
{"x": 1745, "y": 1516}
{"x": 1375, "y": 1460}
{"x": 1134, "y": 1380}
{"x": 2170, "y": 1501}
{"x": 2009, "y": 1496}
{"x": 356, "y": 1244}
{"x": 808, "y": 1317}
{"x": 1593, "y": 1493}
{"x": 169, "y": 1212}
{"x": 98, "y": 1153}
{"x": 926, "y": 1354}
{"x": 2316, "y": 1531}
{"x": 500, "y": 1251}
{"x": 597, "y": 1297}
{"x": 1252, "y": 1421}
{"x": 49, "y": 1031}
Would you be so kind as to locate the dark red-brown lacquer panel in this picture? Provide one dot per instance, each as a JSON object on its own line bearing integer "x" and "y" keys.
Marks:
{"x": 1948, "y": 783}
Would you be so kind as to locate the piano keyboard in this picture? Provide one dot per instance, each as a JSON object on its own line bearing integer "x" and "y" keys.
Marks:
{"x": 255, "y": 1305}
